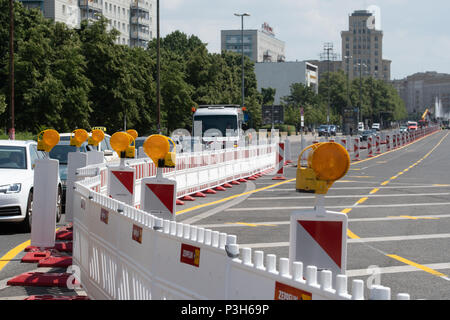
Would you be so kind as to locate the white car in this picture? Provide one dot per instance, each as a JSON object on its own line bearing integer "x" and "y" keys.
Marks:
{"x": 17, "y": 160}
{"x": 109, "y": 153}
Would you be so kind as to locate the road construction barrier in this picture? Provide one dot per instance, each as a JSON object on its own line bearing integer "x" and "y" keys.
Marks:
{"x": 356, "y": 149}
{"x": 377, "y": 145}
{"x": 370, "y": 147}
{"x": 45, "y": 193}
{"x": 280, "y": 162}
{"x": 287, "y": 151}
{"x": 388, "y": 143}
{"x": 125, "y": 253}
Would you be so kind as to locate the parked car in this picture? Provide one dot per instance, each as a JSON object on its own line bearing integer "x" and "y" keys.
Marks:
{"x": 105, "y": 146}
{"x": 327, "y": 130}
{"x": 366, "y": 134}
{"x": 403, "y": 129}
{"x": 17, "y": 161}
{"x": 376, "y": 126}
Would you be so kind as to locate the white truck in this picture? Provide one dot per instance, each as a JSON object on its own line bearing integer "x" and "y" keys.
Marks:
{"x": 218, "y": 123}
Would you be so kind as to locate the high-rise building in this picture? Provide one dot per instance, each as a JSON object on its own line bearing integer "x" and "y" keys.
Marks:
{"x": 134, "y": 19}
{"x": 259, "y": 45}
{"x": 362, "y": 48}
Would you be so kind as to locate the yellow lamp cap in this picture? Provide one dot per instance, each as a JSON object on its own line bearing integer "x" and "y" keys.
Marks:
{"x": 120, "y": 141}
{"x": 132, "y": 133}
{"x": 156, "y": 147}
{"x": 97, "y": 136}
{"x": 79, "y": 136}
{"x": 330, "y": 161}
{"x": 47, "y": 139}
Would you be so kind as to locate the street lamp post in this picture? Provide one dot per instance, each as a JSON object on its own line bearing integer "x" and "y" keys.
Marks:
{"x": 12, "y": 133}
{"x": 242, "y": 51}
{"x": 360, "y": 90}
{"x": 158, "y": 70}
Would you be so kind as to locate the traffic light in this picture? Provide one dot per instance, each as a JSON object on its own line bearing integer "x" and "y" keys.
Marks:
{"x": 326, "y": 163}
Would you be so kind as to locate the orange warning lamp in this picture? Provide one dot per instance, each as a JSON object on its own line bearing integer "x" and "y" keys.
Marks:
{"x": 77, "y": 137}
{"x": 193, "y": 109}
{"x": 157, "y": 148}
{"x": 97, "y": 136}
{"x": 123, "y": 144}
{"x": 47, "y": 139}
{"x": 132, "y": 133}
{"x": 326, "y": 163}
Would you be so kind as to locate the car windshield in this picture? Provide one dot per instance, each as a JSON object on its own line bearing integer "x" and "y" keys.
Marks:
{"x": 323, "y": 127}
{"x": 219, "y": 122}
{"x": 60, "y": 151}
{"x": 368, "y": 132}
{"x": 12, "y": 157}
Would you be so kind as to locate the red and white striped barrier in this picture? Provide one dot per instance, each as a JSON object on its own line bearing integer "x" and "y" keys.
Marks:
{"x": 369, "y": 147}
{"x": 121, "y": 183}
{"x": 356, "y": 149}
{"x": 388, "y": 143}
{"x": 377, "y": 145}
{"x": 280, "y": 162}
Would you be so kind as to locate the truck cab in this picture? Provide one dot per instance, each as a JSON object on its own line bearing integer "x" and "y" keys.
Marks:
{"x": 218, "y": 123}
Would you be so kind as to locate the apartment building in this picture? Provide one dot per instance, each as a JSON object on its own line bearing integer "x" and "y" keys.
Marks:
{"x": 134, "y": 19}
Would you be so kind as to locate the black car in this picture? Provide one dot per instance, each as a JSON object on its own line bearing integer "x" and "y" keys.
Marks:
{"x": 366, "y": 134}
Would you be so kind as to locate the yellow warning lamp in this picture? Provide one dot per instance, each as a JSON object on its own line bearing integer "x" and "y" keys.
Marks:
{"x": 123, "y": 144}
{"x": 78, "y": 136}
{"x": 326, "y": 163}
{"x": 132, "y": 133}
{"x": 157, "y": 148}
{"x": 97, "y": 136}
{"x": 47, "y": 139}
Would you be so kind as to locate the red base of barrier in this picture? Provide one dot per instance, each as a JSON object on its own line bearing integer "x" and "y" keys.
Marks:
{"x": 370, "y": 156}
{"x": 219, "y": 188}
{"x": 179, "y": 202}
{"x": 210, "y": 191}
{"x": 199, "y": 195}
{"x": 356, "y": 159}
{"x": 187, "y": 198}
{"x": 41, "y": 279}
{"x": 235, "y": 183}
{"x": 64, "y": 234}
{"x": 251, "y": 178}
{"x": 33, "y": 257}
{"x": 242, "y": 180}
{"x": 227, "y": 185}
{"x": 51, "y": 297}
{"x": 288, "y": 162}
{"x": 59, "y": 246}
{"x": 279, "y": 178}
{"x": 56, "y": 262}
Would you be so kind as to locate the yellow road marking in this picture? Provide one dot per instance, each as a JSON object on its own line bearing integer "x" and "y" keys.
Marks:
{"x": 385, "y": 183}
{"x": 362, "y": 200}
{"x": 233, "y": 197}
{"x": 415, "y": 218}
{"x": 375, "y": 190}
{"x": 419, "y": 266}
{"x": 12, "y": 253}
{"x": 346, "y": 210}
{"x": 351, "y": 235}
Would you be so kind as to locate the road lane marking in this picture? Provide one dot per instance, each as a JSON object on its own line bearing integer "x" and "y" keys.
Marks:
{"x": 362, "y": 200}
{"x": 370, "y": 195}
{"x": 232, "y": 197}
{"x": 11, "y": 254}
{"x": 396, "y": 269}
{"x": 343, "y": 206}
{"x": 416, "y": 265}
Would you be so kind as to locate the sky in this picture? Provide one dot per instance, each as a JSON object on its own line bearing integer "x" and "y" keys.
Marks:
{"x": 416, "y": 32}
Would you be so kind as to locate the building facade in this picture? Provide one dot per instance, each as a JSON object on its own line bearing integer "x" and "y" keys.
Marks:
{"x": 362, "y": 48}
{"x": 259, "y": 45}
{"x": 281, "y": 75}
{"x": 425, "y": 90}
{"x": 134, "y": 19}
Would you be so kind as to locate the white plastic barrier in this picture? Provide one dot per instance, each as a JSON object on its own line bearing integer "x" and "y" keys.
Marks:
{"x": 125, "y": 253}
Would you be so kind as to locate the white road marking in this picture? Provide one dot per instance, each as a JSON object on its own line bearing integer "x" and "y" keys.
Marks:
{"x": 397, "y": 269}
{"x": 355, "y": 196}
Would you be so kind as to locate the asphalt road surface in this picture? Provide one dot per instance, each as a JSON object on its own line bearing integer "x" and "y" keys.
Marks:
{"x": 397, "y": 204}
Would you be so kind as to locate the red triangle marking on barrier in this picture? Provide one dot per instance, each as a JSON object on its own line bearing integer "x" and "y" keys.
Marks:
{"x": 126, "y": 178}
{"x": 165, "y": 193}
{"x": 328, "y": 234}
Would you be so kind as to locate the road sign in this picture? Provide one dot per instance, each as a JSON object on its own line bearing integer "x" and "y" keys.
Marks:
{"x": 121, "y": 184}
{"x": 273, "y": 114}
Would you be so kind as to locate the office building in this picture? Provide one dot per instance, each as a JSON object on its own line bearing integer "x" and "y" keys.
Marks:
{"x": 425, "y": 90}
{"x": 362, "y": 48}
{"x": 281, "y": 75}
{"x": 259, "y": 45}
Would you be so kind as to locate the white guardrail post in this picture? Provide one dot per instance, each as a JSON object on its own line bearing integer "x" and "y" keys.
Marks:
{"x": 125, "y": 253}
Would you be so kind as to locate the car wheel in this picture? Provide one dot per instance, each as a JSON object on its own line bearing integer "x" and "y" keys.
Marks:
{"x": 59, "y": 205}
{"x": 26, "y": 224}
